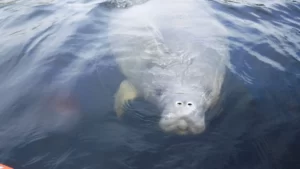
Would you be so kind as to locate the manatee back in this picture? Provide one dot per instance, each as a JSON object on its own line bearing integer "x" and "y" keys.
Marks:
{"x": 163, "y": 41}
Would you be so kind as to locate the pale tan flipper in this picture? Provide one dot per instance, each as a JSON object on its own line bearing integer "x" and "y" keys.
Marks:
{"x": 126, "y": 92}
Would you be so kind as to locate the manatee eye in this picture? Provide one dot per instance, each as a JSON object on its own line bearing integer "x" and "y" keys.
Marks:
{"x": 179, "y": 103}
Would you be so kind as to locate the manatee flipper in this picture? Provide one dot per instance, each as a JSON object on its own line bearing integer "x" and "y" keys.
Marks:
{"x": 126, "y": 92}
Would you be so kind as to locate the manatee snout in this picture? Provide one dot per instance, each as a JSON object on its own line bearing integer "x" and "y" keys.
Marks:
{"x": 183, "y": 119}
{"x": 183, "y": 125}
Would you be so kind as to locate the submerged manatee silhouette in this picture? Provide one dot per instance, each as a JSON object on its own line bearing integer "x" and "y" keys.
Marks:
{"x": 173, "y": 53}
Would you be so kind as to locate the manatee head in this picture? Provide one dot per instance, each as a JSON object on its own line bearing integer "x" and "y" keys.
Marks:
{"x": 184, "y": 112}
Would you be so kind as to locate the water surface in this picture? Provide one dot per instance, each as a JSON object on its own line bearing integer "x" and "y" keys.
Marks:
{"x": 57, "y": 87}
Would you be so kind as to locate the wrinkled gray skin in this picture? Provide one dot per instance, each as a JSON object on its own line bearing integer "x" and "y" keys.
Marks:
{"x": 174, "y": 53}
{"x": 125, "y": 3}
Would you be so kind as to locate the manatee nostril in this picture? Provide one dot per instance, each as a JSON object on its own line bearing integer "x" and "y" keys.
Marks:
{"x": 179, "y": 103}
{"x": 189, "y": 104}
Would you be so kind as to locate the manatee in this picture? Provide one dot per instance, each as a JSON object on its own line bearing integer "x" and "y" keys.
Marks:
{"x": 174, "y": 54}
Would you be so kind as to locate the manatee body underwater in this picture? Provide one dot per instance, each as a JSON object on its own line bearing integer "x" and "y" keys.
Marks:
{"x": 173, "y": 54}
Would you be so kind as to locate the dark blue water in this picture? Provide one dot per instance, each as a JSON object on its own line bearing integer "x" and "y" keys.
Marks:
{"x": 57, "y": 87}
